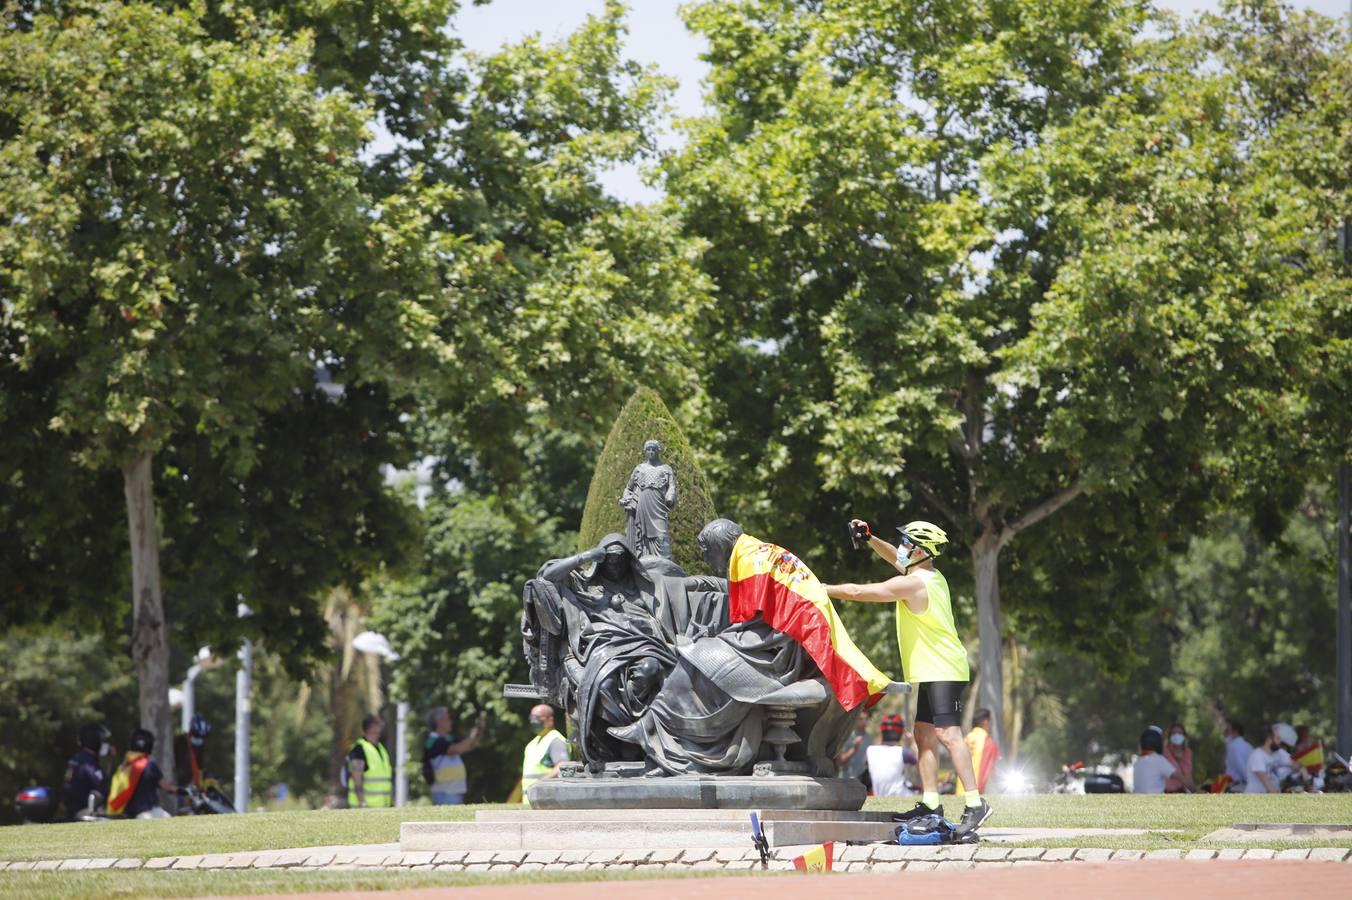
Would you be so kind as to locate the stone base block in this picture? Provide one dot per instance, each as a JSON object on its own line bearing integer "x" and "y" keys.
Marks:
{"x": 700, "y": 792}
{"x": 649, "y": 829}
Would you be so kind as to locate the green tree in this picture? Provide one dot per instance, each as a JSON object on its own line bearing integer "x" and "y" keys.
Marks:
{"x": 566, "y": 300}
{"x": 457, "y": 623}
{"x": 1004, "y": 262}
{"x": 186, "y": 241}
{"x": 1238, "y": 622}
{"x": 645, "y": 417}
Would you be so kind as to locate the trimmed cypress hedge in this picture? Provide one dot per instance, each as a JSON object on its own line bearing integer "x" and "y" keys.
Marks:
{"x": 645, "y": 417}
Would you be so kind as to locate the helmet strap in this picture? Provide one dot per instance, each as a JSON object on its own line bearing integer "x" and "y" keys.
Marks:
{"x": 911, "y": 564}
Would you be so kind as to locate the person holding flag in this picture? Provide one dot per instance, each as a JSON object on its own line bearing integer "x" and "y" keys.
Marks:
{"x": 134, "y": 792}
{"x": 933, "y": 659}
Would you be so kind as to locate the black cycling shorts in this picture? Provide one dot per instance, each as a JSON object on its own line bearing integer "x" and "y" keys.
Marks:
{"x": 940, "y": 702}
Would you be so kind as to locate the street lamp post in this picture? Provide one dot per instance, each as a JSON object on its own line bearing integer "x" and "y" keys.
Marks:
{"x": 1343, "y": 631}
{"x": 189, "y": 691}
{"x": 243, "y": 688}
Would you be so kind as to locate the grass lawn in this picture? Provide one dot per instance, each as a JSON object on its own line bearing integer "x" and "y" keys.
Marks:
{"x": 1194, "y": 816}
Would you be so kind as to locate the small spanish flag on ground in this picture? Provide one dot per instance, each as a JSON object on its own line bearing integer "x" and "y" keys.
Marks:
{"x": 818, "y": 859}
{"x": 767, "y": 579}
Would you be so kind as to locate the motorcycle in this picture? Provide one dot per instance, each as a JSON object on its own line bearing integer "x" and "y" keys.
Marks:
{"x": 1076, "y": 779}
{"x": 1337, "y": 775}
{"x": 1070, "y": 780}
{"x": 204, "y": 801}
{"x": 35, "y": 804}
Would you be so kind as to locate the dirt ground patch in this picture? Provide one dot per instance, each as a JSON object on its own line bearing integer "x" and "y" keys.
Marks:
{"x": 1113, "y": 881}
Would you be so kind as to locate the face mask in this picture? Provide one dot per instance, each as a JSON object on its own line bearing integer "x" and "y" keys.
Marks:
{"x": 1177, "y": 739}
{"x": 537, "y": 725}
{"x": 105, "y": 749}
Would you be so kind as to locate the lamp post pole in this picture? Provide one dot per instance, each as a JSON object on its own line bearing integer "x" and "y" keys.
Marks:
{"x": 243, "y": 689}
{"x": 1343, "y": 631}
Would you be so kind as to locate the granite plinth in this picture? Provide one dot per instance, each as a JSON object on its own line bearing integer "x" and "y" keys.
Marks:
{"x": 651, "y": 829}
{"x": 748, "y": 792}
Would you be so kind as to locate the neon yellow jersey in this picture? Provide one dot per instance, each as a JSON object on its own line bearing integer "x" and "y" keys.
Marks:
{"x": 930, "y": 647}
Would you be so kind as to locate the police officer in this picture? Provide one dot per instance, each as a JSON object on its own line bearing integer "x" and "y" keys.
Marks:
{"x": 84, "y": 771}
{"x": 545, "y": 753}
{"x": 370, "y": 774}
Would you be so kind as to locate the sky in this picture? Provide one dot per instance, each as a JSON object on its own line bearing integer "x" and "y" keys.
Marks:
{"x": 657, "y": 35}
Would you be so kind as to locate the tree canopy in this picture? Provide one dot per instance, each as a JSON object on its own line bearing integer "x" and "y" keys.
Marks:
{"x": 993, "y": 261}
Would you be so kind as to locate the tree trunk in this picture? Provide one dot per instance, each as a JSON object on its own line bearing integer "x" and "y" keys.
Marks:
{"x": 986, "y": 566}
{"x": 150, "y": 632}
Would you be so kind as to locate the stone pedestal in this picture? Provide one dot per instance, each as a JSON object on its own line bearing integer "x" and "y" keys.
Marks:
{"x": 579, "y": 829}
{"x": 795, "y": 792}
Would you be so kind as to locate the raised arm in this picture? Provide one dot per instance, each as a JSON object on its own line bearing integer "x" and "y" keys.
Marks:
{"x": 902, "y": 587}
{"x": 556, "y": 569}
{"x": 887, "y": 552}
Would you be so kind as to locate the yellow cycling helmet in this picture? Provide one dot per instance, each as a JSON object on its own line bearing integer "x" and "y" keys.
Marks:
{"x": 926, "y": 535}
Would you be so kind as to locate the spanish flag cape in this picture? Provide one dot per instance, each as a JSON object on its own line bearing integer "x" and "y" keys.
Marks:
{"x": 125, "y": 781}
{"x": 1311, "y": 757}
{"x": 769, "y": 580}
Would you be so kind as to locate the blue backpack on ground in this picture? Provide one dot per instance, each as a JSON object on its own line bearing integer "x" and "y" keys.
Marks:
{"x": 929, "y": 831}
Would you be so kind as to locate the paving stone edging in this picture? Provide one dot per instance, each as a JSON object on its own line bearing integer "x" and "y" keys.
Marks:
{"x": 862, "y": 858}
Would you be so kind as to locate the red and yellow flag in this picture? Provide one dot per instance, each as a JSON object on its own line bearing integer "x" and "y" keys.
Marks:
{"x": 1312, "y": 757}
{"x": 126, "y": 779}
{"x": 818, "y": 859}
{"x": 767, "y": 579}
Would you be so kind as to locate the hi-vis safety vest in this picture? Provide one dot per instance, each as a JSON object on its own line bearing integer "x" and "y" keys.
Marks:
{"x": 377, "y": 777}
{"x": 930, "y": 647}
{"x": 535, "y": 762}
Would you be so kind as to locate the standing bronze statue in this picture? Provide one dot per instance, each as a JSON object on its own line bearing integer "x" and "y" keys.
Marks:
{"x": 648, "y": 501}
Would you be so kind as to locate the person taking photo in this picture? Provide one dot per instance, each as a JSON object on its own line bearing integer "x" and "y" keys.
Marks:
{"x": 933, "y": 658}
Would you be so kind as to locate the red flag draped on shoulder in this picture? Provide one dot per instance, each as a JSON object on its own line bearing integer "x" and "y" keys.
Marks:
{"x": 767, "y": 579}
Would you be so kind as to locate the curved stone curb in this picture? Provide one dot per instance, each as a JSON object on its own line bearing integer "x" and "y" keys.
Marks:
{"x": 863, "y": 858}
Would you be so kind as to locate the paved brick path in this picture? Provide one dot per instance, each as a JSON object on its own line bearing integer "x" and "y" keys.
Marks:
{"x": 1111, "y": 881}
{"x": 864, "y": 858}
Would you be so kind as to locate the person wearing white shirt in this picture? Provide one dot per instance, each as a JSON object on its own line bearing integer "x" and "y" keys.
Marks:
{"x": 1151, "y": 773}
{"x": 1263, "y": 763}
{"x": 887, "y": 761}
{"x": 1237, "y": 753}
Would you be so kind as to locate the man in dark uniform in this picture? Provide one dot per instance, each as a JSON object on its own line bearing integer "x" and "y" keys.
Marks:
{"x": 84, "y": 771}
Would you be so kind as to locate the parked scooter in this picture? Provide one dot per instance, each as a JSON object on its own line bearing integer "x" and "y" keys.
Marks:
{"x": 1070, "y": 780}
{"x": 205, "y": 801}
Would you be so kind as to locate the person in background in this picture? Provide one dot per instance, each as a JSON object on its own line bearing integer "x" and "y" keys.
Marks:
{"x": 1237, "y": 753}
{"x": 1263, "y": 764}
{"x": 1308, "y": 751}
{"x": 985, "y": 751}
{"x": 545, "y": 754}
{"x": 1151, "y": 773}
{"x": 1179, "y": 754}
{"x": 442, "y": 765}
{"x": 370, "y": 774}
{"x": 84, "y": 771}
{"x": 190, "y": 752}
{"x": 852, "y": 760}
{"x": 887, "y": 761}
{"x": 137, "y": 782}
